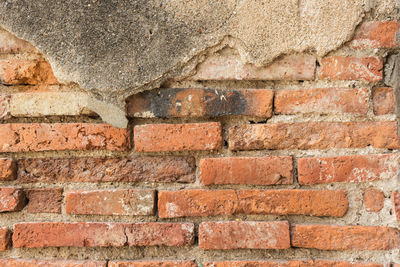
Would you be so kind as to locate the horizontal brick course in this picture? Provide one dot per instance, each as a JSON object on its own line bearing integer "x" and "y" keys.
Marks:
{"x": 151, "y": 263}
{"x": 252, "y": 235}
{"x": 44, "y": 200}
{"x": 197, "y": 202}
{"x": 24, "y": 137}
{"x": 12, "y": 199}
{"x": 314, "y": 135}
{"x": 246, "y": 170}
{"x": 178, "y": 137}
{"x": 167, "y": 103}
{"x": 292, "y": 263}
{"x": 376, "y": 34}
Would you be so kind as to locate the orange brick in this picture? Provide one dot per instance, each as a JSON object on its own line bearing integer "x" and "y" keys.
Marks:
{"x": 384, "y": 100}
{"x": 357, "y": 168}
{"x": 110, "y": 202}
{"x": 50, "y": 263}
{"x": 250, "y": 235}
{"x": 31, "y": 72}
{"x": 7, "y": 169}
{"x": 12, "y": 199}
{"x": 178, "y": 137}
{"x": 5, "y": 239}
{"x": 293, "y": 67}
{"x": 373, "y": 199}
{"x": 351, "y": 68}
{"x": 177, "y": 102}
{"x": 314, "y": 135}
{"x": 44, "y": 200}
{"x": 292, "y": 263}
{"x": 152, "y": 264}
{"x": 396, "y": 204}
{"x": 323, "y": 101}
{"x": 197, "y": 202}
{"x": 376, "y": 34}
{"x": 83, "y": 234}
{"x": 246, "y": 170}
{"x": 23, "y": 137}
{"x": 332, "y": 237}
{"x": 323, "y": 263}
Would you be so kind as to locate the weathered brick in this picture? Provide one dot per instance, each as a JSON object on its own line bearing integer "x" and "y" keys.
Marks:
{"x": 373, "y": 199}
{"x": 324, "y": 263}
{"x": 292, "y": 263}
{"x": 384, "y": 100}
{"x": 7, "y": 169}
{"x": 314, "y": 135}
{"x": 11, "y": 199}
{"x": 357, "y": 168}
{"x": 221, "y": 67}
{"x": 178, "y": 137}
{"x": 247, "y": 170}
{"x": 333, "y": 237}
{"x": 127, "y": 169}
{"x": 352, "y": 68}
{"x": 9, "y": 43}
{"x": 5, "y": 239}
{"x": 18, "y": 71}
{"x": 197, "y": 202}
{"x": 251, "y": 235}
{"x": 110, "y": 202}
{"x": 44, "y": 200}
{"x": 152, "y": 264}
{"x": 376, "y": 34}
{"x": 83, "y": 234}
{"x": 50, "y": 263}
{"x": 178, "y": 102}
{"x": 396, "y": 204}
{"x": 23, "y": 137}
{"x": 324, "y": 101}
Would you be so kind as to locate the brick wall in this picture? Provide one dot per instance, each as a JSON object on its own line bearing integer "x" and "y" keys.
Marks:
{"x": 291, "y": 164}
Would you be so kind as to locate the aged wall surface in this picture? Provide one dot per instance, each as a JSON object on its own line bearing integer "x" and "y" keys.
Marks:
{"x": 242, "y": 133}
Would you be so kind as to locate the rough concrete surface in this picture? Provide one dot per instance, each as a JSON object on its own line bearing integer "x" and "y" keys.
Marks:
{"x": 116, "y": 48}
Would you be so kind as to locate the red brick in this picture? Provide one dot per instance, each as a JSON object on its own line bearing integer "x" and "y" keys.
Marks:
{"x": 9, "y": 43}
{"x": 373, "y": 199}
{"x": 323, "y": 263}
{"x": 251, "y": 235}
{"x": 396, "y": 204}
{"x": 177, "y": 102}
{"x": 247, "y": 170}
{"x": 197, "y": 202}
{"x": 44, "y": 200}
{"x": 178, "y": 137}
{"x": 17, "y": 71}
{"x": 357, "y": 168}
{"x": 127, "y": 169}
{"x": 83, "y": 234}
{"x": 292, "y": 263}
{"x": 11, "y": 199}
{"x": 351, "y": 68}
{"x": 50, "y": 263}
{"x": 384, "y": 100}
{"x": 376, "y": 34}
{"x": 7, "y": 169}
{"x": 324, "y": 101}
{"x": 23, "y": 137}
{"x": 314, "y": 135}
{"x": 110, "y": 202}
{"x": 332, "y": 237}
{"x": 152, "y": 264}
{"x": 219, "y": 67}
{"x": 5, "y": 239}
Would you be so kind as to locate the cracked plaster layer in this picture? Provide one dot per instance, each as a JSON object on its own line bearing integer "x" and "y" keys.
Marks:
{"x": 114, "y": 49}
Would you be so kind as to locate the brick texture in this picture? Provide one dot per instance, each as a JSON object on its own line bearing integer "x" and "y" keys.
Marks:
{"x": 383, "y": 100}
{"x": 246, "y": 170}
{"x": 88, "y": 169}
{"x": 83, "y": 234}
{"x": 357, "y": 168}
{"x": 5, "y": 239}
{"x": 110, "y": 202}
{"x": 168, "y": 103}
{"x": 376, "y": 34}
{"x": 252, "y": 235}
{"x": 44, "y": 200}
{"x": 178, "y": 137}
{"x": 314, "y": 135}
{"x": 373, "y": 199}
{"x": 351, "y": 68}
{"x": 323, "y": 101}
{"x": 151, "y": 264}
{"x": 7, "y": 170}
{"x": 292, "y": 263}
{"x": 332, "y": 237}
{"x": 197, "y": 202}
{"x": 24, "y": 137}
{"x": 11, "y": 199}
{"x": 50, "y": 263}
